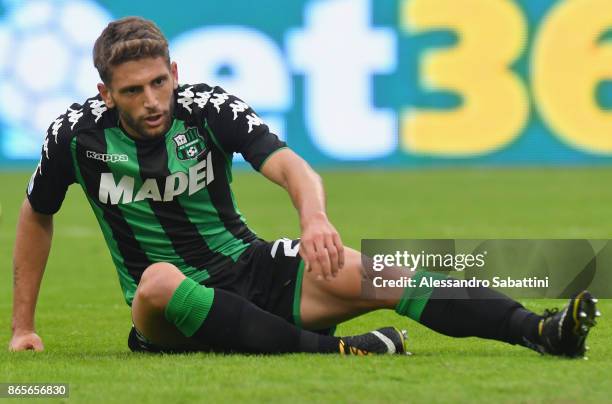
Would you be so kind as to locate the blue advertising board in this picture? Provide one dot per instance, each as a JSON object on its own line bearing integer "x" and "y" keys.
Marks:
{"x": 370, "y": 82}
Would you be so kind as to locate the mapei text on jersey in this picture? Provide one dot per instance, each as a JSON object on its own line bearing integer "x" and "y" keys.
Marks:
{"x": 197, "y": 178}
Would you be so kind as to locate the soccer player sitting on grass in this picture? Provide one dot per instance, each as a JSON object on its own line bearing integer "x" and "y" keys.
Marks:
{"x": 154, "y": 160}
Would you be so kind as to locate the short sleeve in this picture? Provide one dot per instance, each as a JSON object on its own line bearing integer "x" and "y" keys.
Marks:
{"x": 239, "y": 129}
{"x": 55, "y": 172}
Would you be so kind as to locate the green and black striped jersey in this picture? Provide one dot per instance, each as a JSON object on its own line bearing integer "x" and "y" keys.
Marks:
{"x": 162, "y": 200}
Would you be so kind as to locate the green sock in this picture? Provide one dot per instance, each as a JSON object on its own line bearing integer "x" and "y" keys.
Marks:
{"x": 413, "y": 301}
{"x": 189, "y": 306}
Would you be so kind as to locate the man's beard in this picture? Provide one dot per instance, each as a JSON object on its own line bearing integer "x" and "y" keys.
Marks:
{"x": 139, "y": 125}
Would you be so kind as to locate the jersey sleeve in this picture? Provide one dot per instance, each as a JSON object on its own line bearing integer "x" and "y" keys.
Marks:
{"x": 55, "y": 172}
{"x": 239, "y": 129}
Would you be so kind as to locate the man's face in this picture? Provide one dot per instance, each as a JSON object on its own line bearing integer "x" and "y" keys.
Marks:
{"x": 142, "y": 91}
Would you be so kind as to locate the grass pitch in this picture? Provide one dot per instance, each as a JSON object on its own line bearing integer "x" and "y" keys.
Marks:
{"x": 84, "y": 322}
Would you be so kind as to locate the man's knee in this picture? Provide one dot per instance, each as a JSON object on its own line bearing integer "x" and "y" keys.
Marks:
{"x": 157, "y": 285}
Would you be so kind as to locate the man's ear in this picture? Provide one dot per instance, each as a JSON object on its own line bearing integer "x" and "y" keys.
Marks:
{"x": 105, "y": 94}
{"x": 174, "y": 73}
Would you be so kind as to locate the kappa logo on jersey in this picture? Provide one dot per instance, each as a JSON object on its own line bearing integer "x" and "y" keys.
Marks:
{"x": 74, "y": 115}
{"x": 189, "y": 144}
{"x": 196, "y": 179}
{"x": 98, "y": 107}
{"x": 188, "y": 97}
{"x": 55, "y": 127}
{"x": 107, "y": 158}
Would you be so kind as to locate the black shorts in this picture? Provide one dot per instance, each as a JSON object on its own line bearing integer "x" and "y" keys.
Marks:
{"x": 268, "y": 274}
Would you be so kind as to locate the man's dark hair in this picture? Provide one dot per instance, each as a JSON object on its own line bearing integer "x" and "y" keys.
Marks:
{"x": 126, "y": 39}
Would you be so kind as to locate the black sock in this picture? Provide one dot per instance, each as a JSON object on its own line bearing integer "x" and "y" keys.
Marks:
{"x": 480, "y": 312}
{"x": 234, "y": 324}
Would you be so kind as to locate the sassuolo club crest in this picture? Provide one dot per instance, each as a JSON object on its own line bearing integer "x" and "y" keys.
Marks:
{"x": 189, "y": 144}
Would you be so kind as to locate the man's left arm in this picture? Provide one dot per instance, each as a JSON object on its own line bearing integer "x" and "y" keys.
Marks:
{"x": 321, "y": 247}
{"x": 239, "y": 130}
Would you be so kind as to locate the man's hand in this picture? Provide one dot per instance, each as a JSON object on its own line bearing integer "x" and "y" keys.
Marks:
{"x": 26, "y": 341}
{"x": 321, "y": 247}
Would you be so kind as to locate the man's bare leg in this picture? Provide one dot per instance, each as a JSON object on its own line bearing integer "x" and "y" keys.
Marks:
{"x": 326, "y": 303}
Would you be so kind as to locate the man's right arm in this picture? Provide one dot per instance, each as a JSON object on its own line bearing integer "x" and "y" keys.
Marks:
{"x": 32, "y": 246}
{"x": 45, "y": 194}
